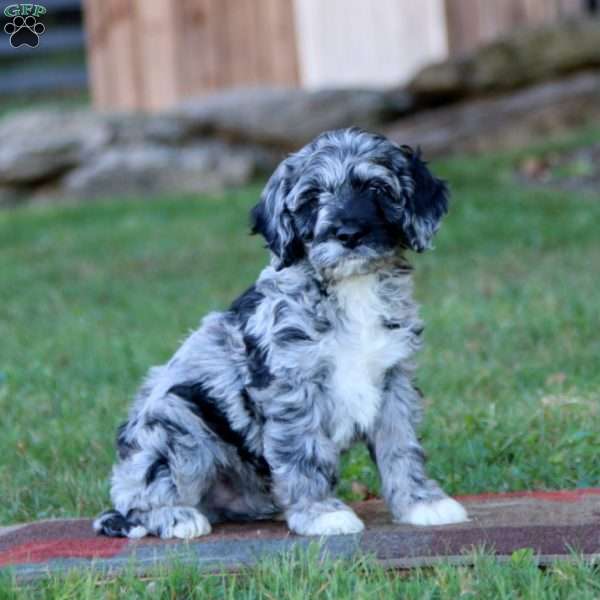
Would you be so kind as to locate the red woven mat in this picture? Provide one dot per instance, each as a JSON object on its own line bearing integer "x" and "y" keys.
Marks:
{"x": 553, "y": 524}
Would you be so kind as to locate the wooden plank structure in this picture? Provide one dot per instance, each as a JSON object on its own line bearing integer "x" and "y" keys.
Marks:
{"x": 150, "y": 55}
{"x": 362, "y": 43}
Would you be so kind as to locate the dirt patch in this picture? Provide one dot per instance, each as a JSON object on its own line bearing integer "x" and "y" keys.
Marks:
{"x": 574, "y": 170}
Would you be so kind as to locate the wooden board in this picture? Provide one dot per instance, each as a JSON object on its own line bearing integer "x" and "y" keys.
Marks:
{"x": 151, "y": 55}
{"x": 367, "y": 44}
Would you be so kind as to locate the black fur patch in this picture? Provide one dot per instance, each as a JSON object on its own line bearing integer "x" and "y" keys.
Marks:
{"x": 261, "y": 376}
{"x": 158, "y": 468}
{"x": 418, "y": 331}
{"x": 293, "y": 249}
{"x": 205, "y": 407}
{"x": 280, "y": 311}
{"x": 245, "y": 305}
{"x": 114, "y": 524}
{"x": 251, "y": 408}
{"x": 291, "y": 335}
{"x": 308, "y": 464}
{"x": 371, "y": 449}
{"x": 243, "y": 308}
{"x": 168, "y": 425}
{"x": 419, "y": 454}
{"x": 427, "y": 205}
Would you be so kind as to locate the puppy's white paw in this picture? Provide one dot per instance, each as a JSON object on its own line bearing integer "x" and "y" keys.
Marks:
{"x": 137, "y": 532}
{"x": 439, "y": 512}
{"x": 194, "y": 526}
{"x": 335, "y": 522}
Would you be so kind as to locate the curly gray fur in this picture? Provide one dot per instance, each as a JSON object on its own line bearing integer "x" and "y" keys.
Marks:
{"x": 249, "y": 418}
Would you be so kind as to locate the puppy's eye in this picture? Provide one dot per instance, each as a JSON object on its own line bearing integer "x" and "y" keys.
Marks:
{"x": 307, "y": 207}
{"x": 379, "y": 190}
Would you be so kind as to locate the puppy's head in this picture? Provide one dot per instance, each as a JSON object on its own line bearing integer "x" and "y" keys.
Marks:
{"x": 348, "y": 199}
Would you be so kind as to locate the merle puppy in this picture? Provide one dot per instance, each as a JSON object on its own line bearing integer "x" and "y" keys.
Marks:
{"x": 250, "y": 416}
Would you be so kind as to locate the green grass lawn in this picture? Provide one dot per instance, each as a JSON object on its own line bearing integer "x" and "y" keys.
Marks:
{"x": 303, "y": 576}
{"x": 91, "y": 296}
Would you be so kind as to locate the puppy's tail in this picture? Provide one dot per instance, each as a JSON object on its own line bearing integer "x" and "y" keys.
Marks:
{"x": 113, "y": 524}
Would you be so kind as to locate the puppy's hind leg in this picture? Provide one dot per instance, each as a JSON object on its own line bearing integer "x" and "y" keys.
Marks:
{"x": 183, "y": 522}
{"x": 158, "y": 485}
{"x": 153, "y": 508}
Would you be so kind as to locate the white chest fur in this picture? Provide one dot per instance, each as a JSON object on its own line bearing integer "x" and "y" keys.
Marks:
{"x": 362, "y": 349}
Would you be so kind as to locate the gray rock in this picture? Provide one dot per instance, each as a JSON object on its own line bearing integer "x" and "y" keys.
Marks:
{"x": 139, "y": 128}
{"x": 508, "y": 121}
{"x": 204, "y": 146}
{"x": 524, "y": 57}
{"x": 153, "y": 169}
{"x": 39, "y": 145}
{"x": 287, "y": 118}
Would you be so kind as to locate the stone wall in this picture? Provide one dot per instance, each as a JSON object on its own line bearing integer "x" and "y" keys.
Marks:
{"x": 507, "y": 94}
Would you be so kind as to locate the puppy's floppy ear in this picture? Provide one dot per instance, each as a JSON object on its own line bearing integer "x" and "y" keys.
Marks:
{"x": 272, "y": 219}
{"x": 426, "y": 201}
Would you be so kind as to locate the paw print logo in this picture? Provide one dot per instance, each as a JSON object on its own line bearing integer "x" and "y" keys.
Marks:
{"x": 24, "y": 31}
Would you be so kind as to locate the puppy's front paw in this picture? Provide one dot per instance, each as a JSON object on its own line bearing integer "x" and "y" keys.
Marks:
{"x": 438, "y": 512}
{"x": 336, "y": 522}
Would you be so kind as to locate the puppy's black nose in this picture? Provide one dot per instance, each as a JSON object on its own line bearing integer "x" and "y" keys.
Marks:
{"x": 349, "y": 234}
